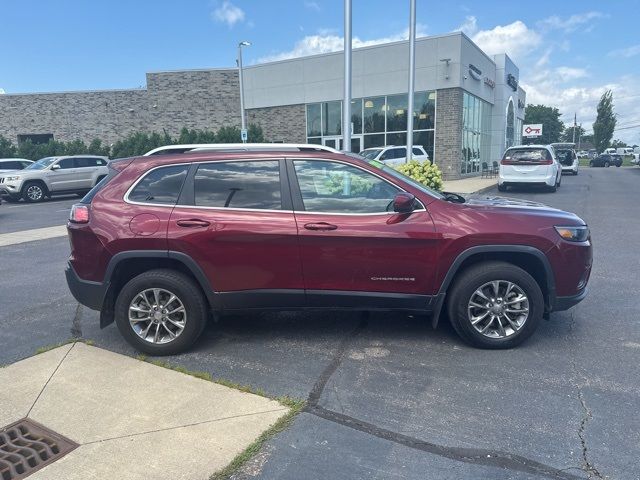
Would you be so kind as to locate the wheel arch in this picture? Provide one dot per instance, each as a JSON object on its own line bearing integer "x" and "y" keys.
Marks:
{"x": 125, "y": 265}
{"x": 530, "y": 259}
{"x": 39, "y": 181}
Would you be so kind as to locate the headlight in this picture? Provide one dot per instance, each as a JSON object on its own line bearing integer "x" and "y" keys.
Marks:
{"x": 11, "y": 179}
{"x": 574, "y": 234}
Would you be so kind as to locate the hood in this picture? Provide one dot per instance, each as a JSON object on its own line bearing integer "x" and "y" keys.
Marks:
{"x": 517, "y": 206}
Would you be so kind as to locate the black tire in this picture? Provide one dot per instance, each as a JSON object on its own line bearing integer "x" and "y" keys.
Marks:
{"x": 606, "y": 164}
{"x": 473, "y": 278}
{"x": 575, "y": 172}
{"x": 502, "y": 188}
{"x": 34, "y": 192}
{"x": 591, "y": 164}
{"x": 552, "y": 189}
{"x": 183, "y": 287}
{"x": 618, "y": 165}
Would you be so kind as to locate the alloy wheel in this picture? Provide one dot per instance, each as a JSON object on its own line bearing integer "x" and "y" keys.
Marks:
{"x": 157, "y": 315}
{"x": 498, "y": 309}
{"x": 35, "y": 193}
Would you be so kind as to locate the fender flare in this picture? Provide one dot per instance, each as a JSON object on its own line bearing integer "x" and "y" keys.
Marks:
{"x": 481, "y": 249}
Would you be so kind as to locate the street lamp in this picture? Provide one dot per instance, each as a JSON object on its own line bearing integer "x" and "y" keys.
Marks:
{"x": 412, "y": 77}
{"x": 243, "y": 126}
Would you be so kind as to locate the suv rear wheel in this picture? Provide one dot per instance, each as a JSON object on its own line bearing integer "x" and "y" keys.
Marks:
{"x": 495, "y": 305}
{"x": 161, "y": 312}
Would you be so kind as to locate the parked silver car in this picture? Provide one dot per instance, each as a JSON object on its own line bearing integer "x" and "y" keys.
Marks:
{"x": 54, "y": 176}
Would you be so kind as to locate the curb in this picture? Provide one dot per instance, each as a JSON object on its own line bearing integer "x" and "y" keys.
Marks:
{"x": 486, "y": 189}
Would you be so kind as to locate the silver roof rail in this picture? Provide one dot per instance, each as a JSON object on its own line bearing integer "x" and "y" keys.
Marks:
{"x": 238, "y": 147}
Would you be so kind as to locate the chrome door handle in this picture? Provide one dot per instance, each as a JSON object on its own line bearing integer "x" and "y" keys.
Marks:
{"x": 192, "y": 223}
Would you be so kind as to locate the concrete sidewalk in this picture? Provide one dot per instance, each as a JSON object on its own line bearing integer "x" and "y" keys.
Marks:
{"x": 131, "y": 419}
{"x": 470, "y": 185}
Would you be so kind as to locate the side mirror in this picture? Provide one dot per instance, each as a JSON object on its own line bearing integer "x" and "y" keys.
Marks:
{"x": 404, "y": 202}
{"x": 55, "y": 167}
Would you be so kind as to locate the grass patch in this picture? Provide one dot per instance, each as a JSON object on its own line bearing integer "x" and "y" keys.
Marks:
{"x": 248, "y": 453}
{"x": 47, "y": 348}
{"x": 176, "y": 368}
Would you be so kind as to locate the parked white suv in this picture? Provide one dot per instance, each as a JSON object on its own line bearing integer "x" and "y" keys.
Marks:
{"x": 529, "y": 165}
{"x": 393, "y": 155}
{"x": 567, "y": 157}
{"x": 54, "y": 176}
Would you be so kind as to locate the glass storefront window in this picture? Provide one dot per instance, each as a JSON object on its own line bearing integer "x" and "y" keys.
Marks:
{"x": 374, "y": 109}
{"x": 476, "y": 130}
{"x": 374, "y": 140}
{"x": 424, "y": 110}
{"x": 397, "y": 138}
{"x": 331, "y": 118}
{"x": 356, "y": 115}
{"x": 396, "y": 113}
{"x": 426, "y": 140}
{"x": 510, "y": 127}
{"x": 313, "y": 120}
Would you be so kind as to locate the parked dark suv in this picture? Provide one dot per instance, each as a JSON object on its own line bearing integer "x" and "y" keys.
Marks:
{"x": 606, "y": 160}
{"x": 163, "y": 242}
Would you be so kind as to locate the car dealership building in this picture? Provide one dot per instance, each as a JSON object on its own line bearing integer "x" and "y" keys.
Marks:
{"x": 468, "y": 106}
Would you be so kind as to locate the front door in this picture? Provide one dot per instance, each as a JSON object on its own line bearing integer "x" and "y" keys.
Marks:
{"x": 237, "y": 223}
{"x": 65, "y": 177}
{"x": 349, "y": 240}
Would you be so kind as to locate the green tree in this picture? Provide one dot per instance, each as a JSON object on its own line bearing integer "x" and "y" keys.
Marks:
{"x": 549, "y": 117}
{"x": 7, "y": 149}
{"x": 97, "y": 148}
{"x": 605, "y": 122}
{"x": 255, "y": 134}
{"x": 567, "y": 136}
{"x": 618, "y": 144}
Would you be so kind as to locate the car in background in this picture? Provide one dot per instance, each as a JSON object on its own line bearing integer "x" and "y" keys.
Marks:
{"x": 582, "y": 154}
{"x": 534, "y": 165}
{"x": 10, "y": 164}
{"x": 54, "y": 176}
{"x": 567, "y": 157}
{"x": 394, "y": 155}
{"x": 166, "y": 242}
{"x": 606, "y": 160}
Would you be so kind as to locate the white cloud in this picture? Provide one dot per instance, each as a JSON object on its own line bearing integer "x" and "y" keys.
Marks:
{"x": 228, "y": 13}
{"x": 628, "y": 52}
{"x": 312, "y": 5}
{"x": 567, "y": 74}
{"x": 572, "y": 23}
{"x": 515, "y": 39}
{"x": 2, "y": 92}
{"x": 326, "y": 42}
{"x": 469, "y": 26}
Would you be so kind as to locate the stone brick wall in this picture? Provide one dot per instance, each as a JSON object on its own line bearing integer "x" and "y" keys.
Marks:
{"x": 202, "y": 99}
{"x": 448, "y": 142}
{"x": 281, "y": 124}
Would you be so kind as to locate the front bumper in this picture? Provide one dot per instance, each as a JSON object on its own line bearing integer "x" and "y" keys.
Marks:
{"x": 9, "y": 191}
{"x": 90, "y": 294}
{"x": 565, "y": 303}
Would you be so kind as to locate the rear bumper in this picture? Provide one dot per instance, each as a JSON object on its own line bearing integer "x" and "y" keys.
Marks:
{"x": 90, "y": 294}
{"x": 565, "y": 303}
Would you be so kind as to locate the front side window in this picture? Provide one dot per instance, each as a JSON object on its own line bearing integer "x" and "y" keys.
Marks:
{"x": 333, "y": 187}
{"x": 250, "y": 184}
{"x": 161, "y": 185}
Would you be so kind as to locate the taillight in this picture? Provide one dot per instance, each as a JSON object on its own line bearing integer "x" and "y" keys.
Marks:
{"x": 506, "y": 162}
{"x": 548, "y": 161}
{"x": 79, "y": 213}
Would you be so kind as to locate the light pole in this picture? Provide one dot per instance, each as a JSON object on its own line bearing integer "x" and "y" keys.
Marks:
{"x": 243, "y": 126}
{"x": 412, "y": 76}
{"x": 346, "y": 101}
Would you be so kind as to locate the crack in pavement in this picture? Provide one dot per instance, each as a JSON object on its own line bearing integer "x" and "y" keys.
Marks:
{"x": 490, "y": 458}
{"x": 76, "y": 325}
{"x": 587, "y": 465}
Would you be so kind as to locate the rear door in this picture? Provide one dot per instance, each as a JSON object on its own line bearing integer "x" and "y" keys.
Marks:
{"x": 353, "y": 249}
{"x": 87, "y": 171}
{"x": 236, "y": 221}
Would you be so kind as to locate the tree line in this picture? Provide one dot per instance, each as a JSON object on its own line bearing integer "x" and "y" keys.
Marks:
{"x": 554, "y": 130}
{"x": 134, "y": 144}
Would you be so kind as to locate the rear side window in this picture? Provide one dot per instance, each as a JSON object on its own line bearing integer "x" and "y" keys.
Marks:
{"x": 161, "y": 185}
{"x": 89, "y": 162}
{"x": 248, "y": 184}
{"x": 11, "y": 165}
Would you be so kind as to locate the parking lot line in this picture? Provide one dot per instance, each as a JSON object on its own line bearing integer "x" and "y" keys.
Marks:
{"x": 24, "y": 236}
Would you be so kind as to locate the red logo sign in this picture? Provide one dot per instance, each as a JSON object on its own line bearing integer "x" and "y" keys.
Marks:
{"x": 530, "y": 130}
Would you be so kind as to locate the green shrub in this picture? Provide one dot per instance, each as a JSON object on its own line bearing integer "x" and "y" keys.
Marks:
{"x": 423, "y": 172}
{"x": 7, "y": 150}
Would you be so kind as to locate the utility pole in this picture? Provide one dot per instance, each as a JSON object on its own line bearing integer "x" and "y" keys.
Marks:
{"x": 412, "y": 76}
{"x": 243, "y": 126}
{"x": 579, "y": 136}
{"x": 575, "y": 118}
{"x": 346, "y": 101}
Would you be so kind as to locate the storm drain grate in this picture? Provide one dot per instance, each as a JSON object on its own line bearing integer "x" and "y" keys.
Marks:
{"x": 26, "y": 446}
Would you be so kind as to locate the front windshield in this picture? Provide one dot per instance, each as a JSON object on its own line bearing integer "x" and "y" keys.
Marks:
{"x": 371, "y": 153}
{"x": 401, "y": 176}
{"x": 41, "y": 164}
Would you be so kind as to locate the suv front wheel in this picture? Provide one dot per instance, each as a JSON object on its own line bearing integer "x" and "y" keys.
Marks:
{"x": 33, "y": 192}
{"x": 495, "y": 305}
{"x": 161, "y": 312}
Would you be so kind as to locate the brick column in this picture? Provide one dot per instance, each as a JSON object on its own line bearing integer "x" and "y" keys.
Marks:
{"x": 448, "y": 141}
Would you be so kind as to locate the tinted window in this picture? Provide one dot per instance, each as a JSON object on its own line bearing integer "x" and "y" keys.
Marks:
{"x": 162, "y": 185}
{"x": 338, "y": 188}
{"x": 66, "y": 163}
{"x": 11, "y": 165}
{"x": 87, "y": 162}
{"x": 527, "y": 155}
{"x": 417, "y": 151}
{"x": 239, "y": 185}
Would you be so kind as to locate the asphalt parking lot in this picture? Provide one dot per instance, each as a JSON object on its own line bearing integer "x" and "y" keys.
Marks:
{"x": 388, "y": 397}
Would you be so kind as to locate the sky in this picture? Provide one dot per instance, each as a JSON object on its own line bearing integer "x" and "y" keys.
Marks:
{"x": 568, "y": 52}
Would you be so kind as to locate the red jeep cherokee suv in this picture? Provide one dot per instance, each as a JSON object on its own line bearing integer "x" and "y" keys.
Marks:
{"x": 164, "y": 241}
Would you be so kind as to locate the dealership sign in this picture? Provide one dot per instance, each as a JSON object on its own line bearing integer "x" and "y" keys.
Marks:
{"x": 512, "y": 82}
{"x": 475, "y": 72}
{"x": 533, "y": 130}
{"x": 489, "y": 82}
